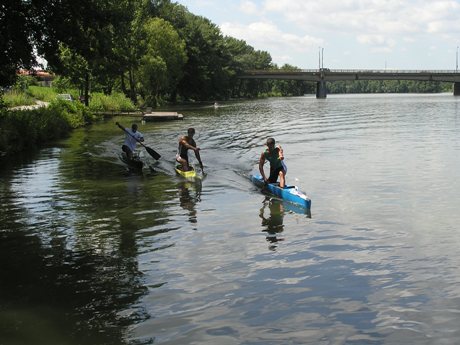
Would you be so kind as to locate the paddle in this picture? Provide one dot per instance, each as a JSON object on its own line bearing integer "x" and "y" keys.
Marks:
{"x": 151, "y": 151}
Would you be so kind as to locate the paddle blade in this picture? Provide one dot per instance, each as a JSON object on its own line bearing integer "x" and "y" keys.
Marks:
{"x": 153, "y": 153}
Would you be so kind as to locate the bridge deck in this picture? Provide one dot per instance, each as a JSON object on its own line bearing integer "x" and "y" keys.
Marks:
{"x": 326, "y": 74}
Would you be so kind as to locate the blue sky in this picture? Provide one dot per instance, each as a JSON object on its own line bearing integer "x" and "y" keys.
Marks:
{"x": 355, "y": 34}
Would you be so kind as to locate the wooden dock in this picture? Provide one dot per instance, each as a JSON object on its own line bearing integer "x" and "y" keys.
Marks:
{"x": 162, "y": 116}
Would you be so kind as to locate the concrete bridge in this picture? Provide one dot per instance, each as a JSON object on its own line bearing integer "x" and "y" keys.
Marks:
{"x": 323, "y": 75}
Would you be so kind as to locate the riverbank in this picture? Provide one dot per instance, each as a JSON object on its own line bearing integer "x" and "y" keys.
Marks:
{"x": 27, "y": 128}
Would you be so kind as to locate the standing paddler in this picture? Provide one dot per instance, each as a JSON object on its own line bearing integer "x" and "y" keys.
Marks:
{"x": 277, "y": 168}
{"x": 133, "y": 136}
{"x": 186, "y": 143}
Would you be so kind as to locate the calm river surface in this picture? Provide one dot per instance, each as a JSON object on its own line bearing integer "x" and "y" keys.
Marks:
{"x": 91, "y": 255}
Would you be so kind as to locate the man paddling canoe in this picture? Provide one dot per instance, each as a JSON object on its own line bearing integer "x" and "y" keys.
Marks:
{"x": 186, "y": 143}
{"x": 133, "y": 136}
{"x": 277, "y": 168}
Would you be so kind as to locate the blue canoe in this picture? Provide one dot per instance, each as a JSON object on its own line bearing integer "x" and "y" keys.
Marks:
{"x": 288, "y": 193}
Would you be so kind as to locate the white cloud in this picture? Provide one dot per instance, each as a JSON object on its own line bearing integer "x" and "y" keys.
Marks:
{"x": 267, "y": 36}
{"x": 378, "y": 43}
{"x": 376, "y": 40}
{"x": 370, "y": 16}
{"x": 408, "y": 39}
{"x": 284, "y": 58}
{"x": 249, "y": 8}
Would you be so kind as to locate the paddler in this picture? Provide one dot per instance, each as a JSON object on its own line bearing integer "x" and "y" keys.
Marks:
{"x": 277, "y": 168}
{"x": 186, "y": 143}
{"x": 130, "y": 141}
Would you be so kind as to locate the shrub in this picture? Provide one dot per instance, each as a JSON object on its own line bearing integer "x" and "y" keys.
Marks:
{"x": 23, "y": 82}
{"x": 75, "y": 113}
{"x": 62, "y": 84}
{"x": 16, "y": 98}
{"x": 114, "y": 102}
{"x": 23, "y": 129}
{"x": 2, "y": 100}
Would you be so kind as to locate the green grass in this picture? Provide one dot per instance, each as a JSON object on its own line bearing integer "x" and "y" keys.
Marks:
{"x": 45, "y": 94}
{"x": 26, "y": 129}
{"x": 16, "y": 98}
{"x": 114, "y": 102}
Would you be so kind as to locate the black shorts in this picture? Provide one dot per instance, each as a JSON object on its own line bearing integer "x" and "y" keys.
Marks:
{"x": 274, "y": 174}
{"x": 126, "y": 149}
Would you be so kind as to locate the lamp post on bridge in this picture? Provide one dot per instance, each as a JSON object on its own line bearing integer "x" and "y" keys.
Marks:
{"x": 456, "y": 61}
{"x": 320, "y": 58}
{"x": 321, "y": 90}
{"x": 456, "y": 84}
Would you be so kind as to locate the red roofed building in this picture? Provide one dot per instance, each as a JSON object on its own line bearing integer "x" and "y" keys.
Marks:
{"x": 44, "y": 78}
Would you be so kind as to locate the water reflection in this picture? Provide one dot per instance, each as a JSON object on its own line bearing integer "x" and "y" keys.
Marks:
{"x": 54, "y": 293}
{"x": 272, "y": 215}
{"x": 69, "y": 253}
{"x": 189, "y": 195}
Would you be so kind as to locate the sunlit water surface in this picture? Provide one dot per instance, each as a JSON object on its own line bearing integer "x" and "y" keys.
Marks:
{"x": 92, "y": 255}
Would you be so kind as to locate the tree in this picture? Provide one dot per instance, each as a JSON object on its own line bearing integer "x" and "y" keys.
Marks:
{"x": 291, "y": 87}
{"x": 16, "y": 38}
{"x": 74, "y": 66}
{"x": 243, "y": 57}
{"x": 87, "y": 28}
{"x": 163, "y": 60}
{"x": 205, "y": 75}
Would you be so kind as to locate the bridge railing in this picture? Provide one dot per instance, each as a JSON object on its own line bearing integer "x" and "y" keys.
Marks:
{"x": 382, "y": 71}
{"x": 386, "y": 71}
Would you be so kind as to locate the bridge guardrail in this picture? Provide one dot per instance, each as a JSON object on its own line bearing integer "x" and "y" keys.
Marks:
{"x": 383, "y": 71}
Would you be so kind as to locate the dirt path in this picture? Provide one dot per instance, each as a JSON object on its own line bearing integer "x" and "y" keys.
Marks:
{"x": 38, "y": 104}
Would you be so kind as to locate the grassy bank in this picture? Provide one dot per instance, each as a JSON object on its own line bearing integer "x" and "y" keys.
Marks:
{"x": 27, "y": 129}
{"x": 116, "y": 102}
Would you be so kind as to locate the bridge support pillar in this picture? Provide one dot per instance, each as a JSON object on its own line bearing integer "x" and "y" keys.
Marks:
{"x": 456, "y": 88}
{"x": 321, "y": 91}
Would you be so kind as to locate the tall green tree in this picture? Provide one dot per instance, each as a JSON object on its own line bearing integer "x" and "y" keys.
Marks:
{"x": 74, "y": 66}
{"x": 19, "y": 21}
{"x": 206, "y": 74}
{"x": 163, "y": 60}
{"x": 87, "y": 28}
{"x": 244, "y": 57}
{"x": 128, "y": 49}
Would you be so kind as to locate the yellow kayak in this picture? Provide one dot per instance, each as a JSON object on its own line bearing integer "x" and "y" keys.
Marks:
{"x": 191, "y": 174}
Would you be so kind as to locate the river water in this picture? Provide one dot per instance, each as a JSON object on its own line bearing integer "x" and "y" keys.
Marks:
{"x": 92, "y": 255}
